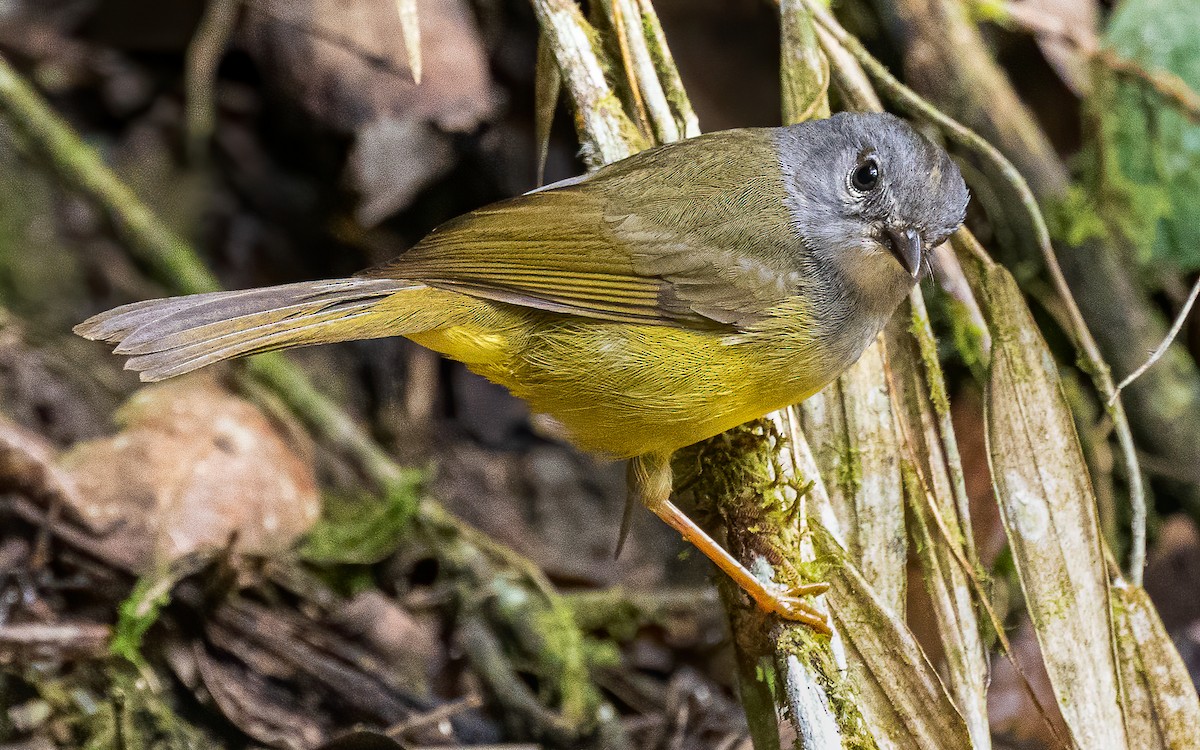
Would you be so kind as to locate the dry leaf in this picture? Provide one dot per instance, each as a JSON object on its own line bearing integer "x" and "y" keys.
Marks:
{"x": 547, "y": 89}
{"x": 346, "y": 62}
{"x": 899, "y": 693}
{"x": 192, "y": 469}
{"x": 1161, "y": 706}
{"x": 924, "y": 414}
{"x": 1049, "y": 513}
{"x": 410, "y": 22}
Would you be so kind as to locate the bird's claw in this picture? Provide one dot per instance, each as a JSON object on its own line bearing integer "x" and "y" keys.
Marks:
{"x": 790, "y": 605}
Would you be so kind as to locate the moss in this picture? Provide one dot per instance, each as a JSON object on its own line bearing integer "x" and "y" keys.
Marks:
{"x": 361, "y": 529}
{"x": 933, "y": 367}
{"x": 563, "y": 658}
{"x": 668, "y": 75}
{"x": 813, "y": 651}
{"x": 849, "y": 467}
{"x": 1062, "y": 606}
{"x": 629, "y": 132}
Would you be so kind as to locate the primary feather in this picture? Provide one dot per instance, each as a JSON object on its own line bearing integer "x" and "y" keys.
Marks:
{"x": 174, "y": 336}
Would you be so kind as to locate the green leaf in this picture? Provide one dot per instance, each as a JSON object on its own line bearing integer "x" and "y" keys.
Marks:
{"x": 362, "y": 530}
{"x": 145, "y": 603}
{"x": 1142, "y": 164}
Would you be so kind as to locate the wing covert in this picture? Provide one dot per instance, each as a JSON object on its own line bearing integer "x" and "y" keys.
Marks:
{"x": 710, "y": 256}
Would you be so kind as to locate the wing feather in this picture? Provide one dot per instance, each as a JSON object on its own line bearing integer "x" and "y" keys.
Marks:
{"x": 716, "y": 255}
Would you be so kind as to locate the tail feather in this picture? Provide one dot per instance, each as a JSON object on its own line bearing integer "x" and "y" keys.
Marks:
{"x": 170, "y": 337}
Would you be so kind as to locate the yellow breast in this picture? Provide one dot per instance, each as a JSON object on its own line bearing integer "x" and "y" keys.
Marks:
{"x": 624, "y": 390}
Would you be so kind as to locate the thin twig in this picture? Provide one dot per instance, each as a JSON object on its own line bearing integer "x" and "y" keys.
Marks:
{"x": 610, "y": 607}
{"x": 1173, "y": 89}
{"x": 1158, "y": 353}
{"x": 1082, "y": 336}
{"x": 430, "y": 718}
{"x": 84, "y": 637}
{"x": 204, "y": 54}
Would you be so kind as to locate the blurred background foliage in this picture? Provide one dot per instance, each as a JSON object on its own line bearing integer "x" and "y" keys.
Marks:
{"x": 1140, "y": 163}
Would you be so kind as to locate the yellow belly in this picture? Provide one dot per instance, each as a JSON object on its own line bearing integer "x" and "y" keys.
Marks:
{"x": 626, "y": 390}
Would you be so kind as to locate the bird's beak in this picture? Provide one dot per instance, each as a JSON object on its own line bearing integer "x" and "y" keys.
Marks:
{"x": 905, "y": 244}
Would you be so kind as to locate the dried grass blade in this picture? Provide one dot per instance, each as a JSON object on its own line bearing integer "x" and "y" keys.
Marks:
{"x": 410, "y": 27}
{"x": 547, "y": 89}
{"x": 1049, "y": 513}
{"x": 852, "y": 430}
{"x": 1161, "y": 706}
{"x": 932, "y": 486}
{"x": 899, "y": 693}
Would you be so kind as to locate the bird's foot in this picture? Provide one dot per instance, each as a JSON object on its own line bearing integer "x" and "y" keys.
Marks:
{"x": 791, "y": 605}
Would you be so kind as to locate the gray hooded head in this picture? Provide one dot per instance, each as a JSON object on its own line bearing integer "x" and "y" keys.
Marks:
{"x": 870, "y": 198}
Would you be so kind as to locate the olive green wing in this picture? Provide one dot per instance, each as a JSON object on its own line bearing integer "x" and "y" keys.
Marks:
{"x": 707, "y": 257}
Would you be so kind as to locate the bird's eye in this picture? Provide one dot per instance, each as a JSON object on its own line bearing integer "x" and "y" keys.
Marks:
{"x": 866, "y": 176}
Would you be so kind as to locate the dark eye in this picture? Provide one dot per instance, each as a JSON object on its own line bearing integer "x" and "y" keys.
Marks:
{"x": 866, "y": 177}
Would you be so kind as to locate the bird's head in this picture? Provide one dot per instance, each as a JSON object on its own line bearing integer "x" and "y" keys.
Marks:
{"x": 870, "y": 197}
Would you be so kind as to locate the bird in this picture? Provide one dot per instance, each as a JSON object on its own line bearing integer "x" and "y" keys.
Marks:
{"x": 643, "y": 307}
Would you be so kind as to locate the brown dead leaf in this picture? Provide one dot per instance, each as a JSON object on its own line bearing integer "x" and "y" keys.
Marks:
{"x": 262, "y": 710}
{"x": 193, "y": 468}
{"x": 1049, "y": 513}
{"x": 346, "y": 62}
{"x": 27, "y": 465}
{"x": 1068, "y": 32}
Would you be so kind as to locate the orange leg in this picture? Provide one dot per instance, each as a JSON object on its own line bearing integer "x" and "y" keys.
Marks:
{"x": 650, "y": 477}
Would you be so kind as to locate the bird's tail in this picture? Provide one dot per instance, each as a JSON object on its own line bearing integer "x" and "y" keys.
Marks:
{"x": 169, "y": 337}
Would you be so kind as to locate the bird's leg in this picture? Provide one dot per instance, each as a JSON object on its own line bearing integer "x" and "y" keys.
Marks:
{"x": 650, "y": 481}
